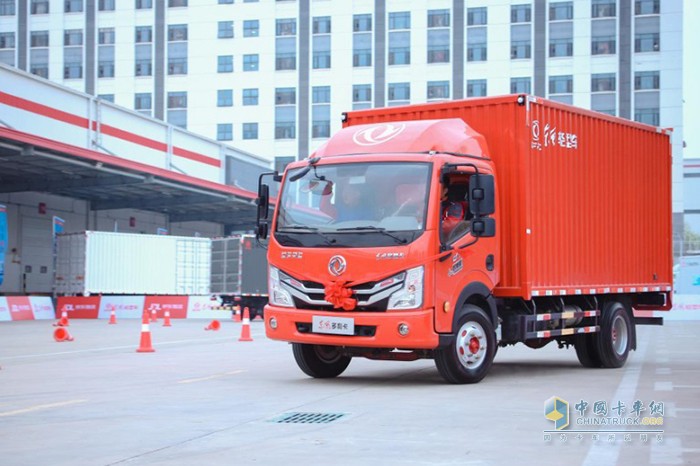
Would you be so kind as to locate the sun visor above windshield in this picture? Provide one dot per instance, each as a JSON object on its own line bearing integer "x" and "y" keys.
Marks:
{"x": 449, "y": 135}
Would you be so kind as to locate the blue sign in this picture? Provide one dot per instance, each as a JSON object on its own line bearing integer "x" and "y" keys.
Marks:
{"x": 3, "y": 240}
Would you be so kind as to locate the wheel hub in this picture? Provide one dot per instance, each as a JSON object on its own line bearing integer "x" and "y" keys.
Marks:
{"x": 471, "y": 345}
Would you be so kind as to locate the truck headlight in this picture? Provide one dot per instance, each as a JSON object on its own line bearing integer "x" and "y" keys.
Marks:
{"x": 278, "y": 295}
{"x": 410, "y": 296}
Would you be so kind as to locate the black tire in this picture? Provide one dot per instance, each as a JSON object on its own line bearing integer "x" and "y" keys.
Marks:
{"x": 615, "y": 337}
{"x": 586, "y": 345}
{"x": 461, "y": 361}
{"x": 321, "y": 362}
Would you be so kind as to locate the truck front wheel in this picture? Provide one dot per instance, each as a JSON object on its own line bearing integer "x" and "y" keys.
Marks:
{"x": 321, "y": 362}
{"x": 615, "y": 337}
{"x": 469, "y": 358}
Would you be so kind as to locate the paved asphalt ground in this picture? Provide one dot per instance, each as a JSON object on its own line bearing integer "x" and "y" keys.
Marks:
{"x": 204, "y": 398}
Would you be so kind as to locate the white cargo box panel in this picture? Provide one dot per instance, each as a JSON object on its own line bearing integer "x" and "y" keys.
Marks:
{"x": 123, "y": 263}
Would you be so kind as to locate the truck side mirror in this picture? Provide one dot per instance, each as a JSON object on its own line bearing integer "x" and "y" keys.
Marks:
{"x": 482, "y": 195}
{"x": 483, "y": 227}
{"x": 263, "y": 201}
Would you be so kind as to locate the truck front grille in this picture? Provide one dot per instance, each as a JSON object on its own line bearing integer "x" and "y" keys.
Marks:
{"x": 370, "y": 296}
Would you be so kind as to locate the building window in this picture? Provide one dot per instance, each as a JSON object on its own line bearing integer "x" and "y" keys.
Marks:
{"x": 73, "y": 6}
{"x": 603, "y": 82}
{"x": 399, "y": 41}
{"x": 250, "y": 97}
{"x": 224, "y": 98}
{"x": 438, "y": 36}
{"x": 250, "y": 131}
{"x": 72, "y": 62}
{"x": 476, "y": 43}
{"x": 321, "y": 45}
{"x": 39, "y": 7}
{"x": 286, "y": 47}
{"x": 39, "y": 62}
{"x": 251, "y": 62}
{"x": 285, "y": 96}
{"x": 561, "y": 39}
{"x": 177, "y": 109}
{"x": 72, "y": 37}
{"x": 285, "y": 122}
{"x": 476, "y": 88}
{"x": 106, "y": 97}
{"x": 361, "y": 96}
{"x": 477, "y": 16}
{"x": 438, "y": 90}
{"x": 177, "y": 58}
{"x": 251, "y": 28}
{"x": 520, "y": 85}
{"x": 561, "y": 88}
{"x": 438, "y": 18}
{"x": 400, "y": 20}
{"x": 176, "y": 3}
{"x": 646, "y": 107}
{"x": 39, "y": 39}
{"x": 399, "y": 94}
{"x": 561, "y": 11}
{"x": 282, "y": 162}
{"x": 105, "y": 53}
{"x": 7, "y": 7}
{"x": 143, "y": 60}
{"x": 603, "y": 37}
{"x": 362, "y": 23}
{"x": 144, "y": 4}
{"x": 143, "y": 103}
{"x": 647, "y": 7}
{"x": 7, "y": 48}
{"x": 177, "y": 32}
{"x": 225, "y": 2}
{"x": 224, "y": 132}
{"x": 520, "y": 41}
{"x": 224, "y": 64}
{"x": 645, "y": 80}
{"x": 603, "y": 8}
{"x": 321, "y": 112}
{"x": 362, "y": 49}
{"x": 225, "y": 30}
{"x": 105, "y": 5}
{"x": 520, "y": 13}
{"x": 646, "y": 34}
{"x": 143, "y": 34}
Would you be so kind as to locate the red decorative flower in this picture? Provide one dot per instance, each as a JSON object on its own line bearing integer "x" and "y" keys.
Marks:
{"x": 340, "y": 295}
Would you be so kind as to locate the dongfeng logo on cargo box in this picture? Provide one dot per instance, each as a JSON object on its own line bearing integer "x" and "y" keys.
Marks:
{"x": 550, "y": 136}
{"x": 377, "y": 134}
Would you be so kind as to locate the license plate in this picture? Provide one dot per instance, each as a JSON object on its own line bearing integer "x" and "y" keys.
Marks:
{"x": 333, "y": 325}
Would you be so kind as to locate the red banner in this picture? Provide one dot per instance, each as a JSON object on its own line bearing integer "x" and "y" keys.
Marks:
{"x": 177, "y": 305}
{"x": 20, "y": 308}
{"x": 78, "y": 307}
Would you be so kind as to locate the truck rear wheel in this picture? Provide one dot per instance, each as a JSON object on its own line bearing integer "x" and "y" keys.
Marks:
{"x": 615, "y": 337}
{"x": 469, "y": 358}
{"x": 586, "y": 345}
{"x": 321, "y": 362}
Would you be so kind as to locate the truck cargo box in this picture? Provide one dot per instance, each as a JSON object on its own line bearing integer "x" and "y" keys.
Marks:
{"x": 123, "y": 263}
{"x": 584, "y": 198}
{"x": 238, "y": 266}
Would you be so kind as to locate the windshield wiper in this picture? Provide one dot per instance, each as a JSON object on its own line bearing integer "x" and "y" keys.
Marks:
{"x": 377, "y": 229}
{"x": 305, "y": 229}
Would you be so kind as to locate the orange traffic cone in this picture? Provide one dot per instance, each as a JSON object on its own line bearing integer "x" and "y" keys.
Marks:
{"x": 166, "y": 319}
{"x": 257, "y": 318}
{"x": 237, "y": 314}
{"x": 145, "y": 345}
{"x": 63, "y": 322}
{"x": 213, "y": 325}
{"x": 61, "y": 334}
{"x": 154, "y": 315}
{"x": 245, "y": 330}
{"x": 112, "y": 317}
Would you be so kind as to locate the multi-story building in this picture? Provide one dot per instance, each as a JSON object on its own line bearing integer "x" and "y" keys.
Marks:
{"x": 273, "y": 77}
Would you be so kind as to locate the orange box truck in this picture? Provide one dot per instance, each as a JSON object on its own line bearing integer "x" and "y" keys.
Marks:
{"x": 445, "y": 230}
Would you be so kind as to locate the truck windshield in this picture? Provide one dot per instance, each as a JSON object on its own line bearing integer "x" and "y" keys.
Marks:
{"x": 353, "y": 204}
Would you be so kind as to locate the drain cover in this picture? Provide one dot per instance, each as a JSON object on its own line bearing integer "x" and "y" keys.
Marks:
{"x": 307, "y": 418}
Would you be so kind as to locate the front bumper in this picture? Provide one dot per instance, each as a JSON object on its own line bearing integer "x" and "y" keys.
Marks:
{"x": 383, "y": 327}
